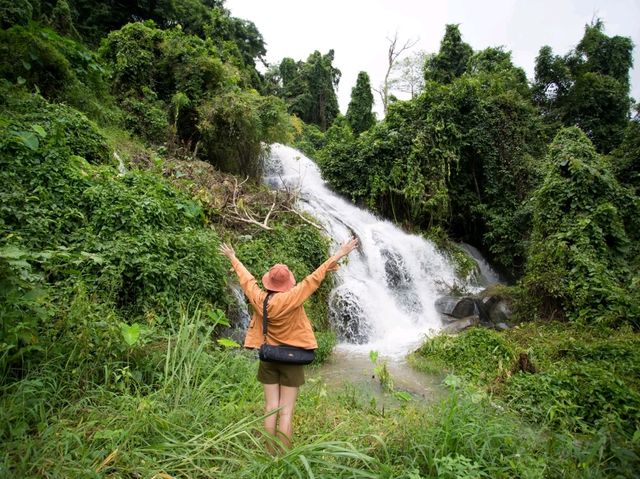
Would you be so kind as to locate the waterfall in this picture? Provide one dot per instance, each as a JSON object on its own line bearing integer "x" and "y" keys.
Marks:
{"x": 384, "y": 293}
{"x": 487, "y": 275}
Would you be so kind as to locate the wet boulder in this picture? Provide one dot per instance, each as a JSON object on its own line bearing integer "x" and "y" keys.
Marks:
{"x": 456, "y": 325}
{"x": 489, "y": 308}
{"x": 395, "y": 269}
{"x": 348, "y": 318}
{"x": 496, "y": 306}
{"x": 456, "y": 307}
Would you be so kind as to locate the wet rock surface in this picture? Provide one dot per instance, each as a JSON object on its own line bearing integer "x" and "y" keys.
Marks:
{"x": 348, "y": 318}
{"x": 487, "y": 308}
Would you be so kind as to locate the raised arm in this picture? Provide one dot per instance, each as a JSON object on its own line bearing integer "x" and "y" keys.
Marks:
{"x": 247, "y": 282}
{"x": 300, "y": 292}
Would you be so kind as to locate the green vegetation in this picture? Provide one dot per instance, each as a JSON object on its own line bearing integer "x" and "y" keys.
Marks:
{"x": 117, "y": 120}
{"x": 577, "y": 386}
{"x": 589, "y": 86}
{"x": 308, "y": 87}
{"x": 581, "y": 257}
{"x": 359, "y": 114}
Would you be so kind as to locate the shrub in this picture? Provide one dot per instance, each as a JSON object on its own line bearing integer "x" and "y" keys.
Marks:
{"x": 233, "y": 126}
{"x": 15, "y": 12}
{"x": 26, "y": 53}
{"x": 574, "y": 397}
{"x": 326, "y": 341}
{"x": 59, "y": 68}
{"x": 146, "y": 116}
{"x": 578, "y": 263}
{"x": 113, "y": 245}
{"x": 478, "y": 353}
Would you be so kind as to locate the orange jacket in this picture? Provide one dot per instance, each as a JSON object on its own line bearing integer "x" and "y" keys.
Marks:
{"x": 288, "y": 322}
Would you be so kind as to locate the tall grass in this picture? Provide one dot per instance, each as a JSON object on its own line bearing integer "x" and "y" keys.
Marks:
{"x": 179, "y": 406}
{"x": 202, "y": 418}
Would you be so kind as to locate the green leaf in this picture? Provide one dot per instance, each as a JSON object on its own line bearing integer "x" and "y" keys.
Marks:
{"x": 403, "y": 396}
{"x": 28, "y": 139}
{"x": 39, "y": 130}
{"x": 93, "y": 257}
{"x": 228, "y": 343}
{"x": 218, "y": 317}
{"x": 373, "y": 356}
{"x": 452, "y": 381}
{"x": 130, "y": 334}
{"x": 12, "y": 252}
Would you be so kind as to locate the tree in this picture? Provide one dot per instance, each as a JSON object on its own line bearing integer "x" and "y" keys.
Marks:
{"x": 393, "y": 53}
{"x": 309, "y": 88}
{"x": 452, "y": 59}
{"x": 359, "y": 114}
{"x": 409, "y": 73}
{"x": 323, "y": 79}
{"x": 588, "y": 87}
{"x": 552, "y": 80}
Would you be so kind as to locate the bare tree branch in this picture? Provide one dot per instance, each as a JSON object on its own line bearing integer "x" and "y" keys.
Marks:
{"x": 392, "y": 56}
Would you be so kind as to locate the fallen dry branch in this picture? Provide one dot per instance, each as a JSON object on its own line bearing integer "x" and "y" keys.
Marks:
{"x": 239, "y": 212}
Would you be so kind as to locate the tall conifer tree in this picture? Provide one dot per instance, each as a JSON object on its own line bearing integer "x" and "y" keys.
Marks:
{"x": 359, "y": 114}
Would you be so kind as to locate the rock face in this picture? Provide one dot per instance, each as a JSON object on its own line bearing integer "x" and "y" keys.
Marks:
{"x": 456, "y": 307}
{"x": 348, "y": 318}
{"x": 488, "y": 309}
{"x": 497, "y": 307}
{"x": 458, "y": 325}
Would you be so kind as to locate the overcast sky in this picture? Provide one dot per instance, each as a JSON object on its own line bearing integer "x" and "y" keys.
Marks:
{"x": 358, "y": 29}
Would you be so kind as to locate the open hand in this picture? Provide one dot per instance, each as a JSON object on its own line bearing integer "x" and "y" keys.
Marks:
{"x": 227, "y": 251}
{"x": 347, "y": 247}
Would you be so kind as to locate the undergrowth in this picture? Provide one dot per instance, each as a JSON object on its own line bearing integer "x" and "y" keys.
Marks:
{"x": 578, "y": 384}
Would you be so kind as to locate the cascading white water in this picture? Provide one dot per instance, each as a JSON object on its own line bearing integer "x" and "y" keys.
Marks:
{"x": 487, "y": 275}
{"x": 384, "y": 295}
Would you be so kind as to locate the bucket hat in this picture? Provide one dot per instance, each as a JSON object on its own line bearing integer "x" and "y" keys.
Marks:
{"x": 279, "y": 278}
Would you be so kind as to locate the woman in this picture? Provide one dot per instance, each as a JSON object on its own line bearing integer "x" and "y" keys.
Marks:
{"x": 287, "y": 324}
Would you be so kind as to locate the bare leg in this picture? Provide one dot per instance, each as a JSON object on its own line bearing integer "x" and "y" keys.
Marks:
{"x": 287, "y": 404}
{"x": 271, "y": 402}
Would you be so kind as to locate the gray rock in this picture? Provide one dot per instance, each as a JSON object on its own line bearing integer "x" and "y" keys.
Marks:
{"x": 458, "y": 325}
{"x": 500, "y": 311}
{"x": 456, "y": 307}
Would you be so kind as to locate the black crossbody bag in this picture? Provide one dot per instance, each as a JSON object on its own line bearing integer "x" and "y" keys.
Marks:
{"x": 281, "y": 354}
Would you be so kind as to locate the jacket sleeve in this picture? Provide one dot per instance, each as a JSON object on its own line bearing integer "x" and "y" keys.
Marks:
{"x": 248, "y": 284}
{"x": 297, "y": 295}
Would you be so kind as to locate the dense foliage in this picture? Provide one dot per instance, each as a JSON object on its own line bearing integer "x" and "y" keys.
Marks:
{"x": 452, "y": 59}
{"x": 160, "y": 73}
{"x": 359, "y": 114}
{"x": 581, "y": 256}
{"x": 588, "y": 87}
{"x": 309, "y": 88}
{"x": 567, "y": 379}
{"x": 171, "y": 77}
{"x": 74, "y": 230}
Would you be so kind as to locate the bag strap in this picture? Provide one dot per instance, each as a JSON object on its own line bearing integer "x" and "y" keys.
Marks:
{"x": 264, "y": 315}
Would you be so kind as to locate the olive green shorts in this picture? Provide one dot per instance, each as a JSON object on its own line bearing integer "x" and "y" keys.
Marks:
{"x": 285, "y": 374}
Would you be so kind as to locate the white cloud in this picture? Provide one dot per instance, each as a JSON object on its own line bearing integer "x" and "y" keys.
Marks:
{"x": 358, "y": 30}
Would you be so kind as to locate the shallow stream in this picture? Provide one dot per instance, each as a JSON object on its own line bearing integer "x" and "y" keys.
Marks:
{"x": 344, "y": 371}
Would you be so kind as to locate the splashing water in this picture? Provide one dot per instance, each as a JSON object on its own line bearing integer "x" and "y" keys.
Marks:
{"x": 384, "y": 294}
